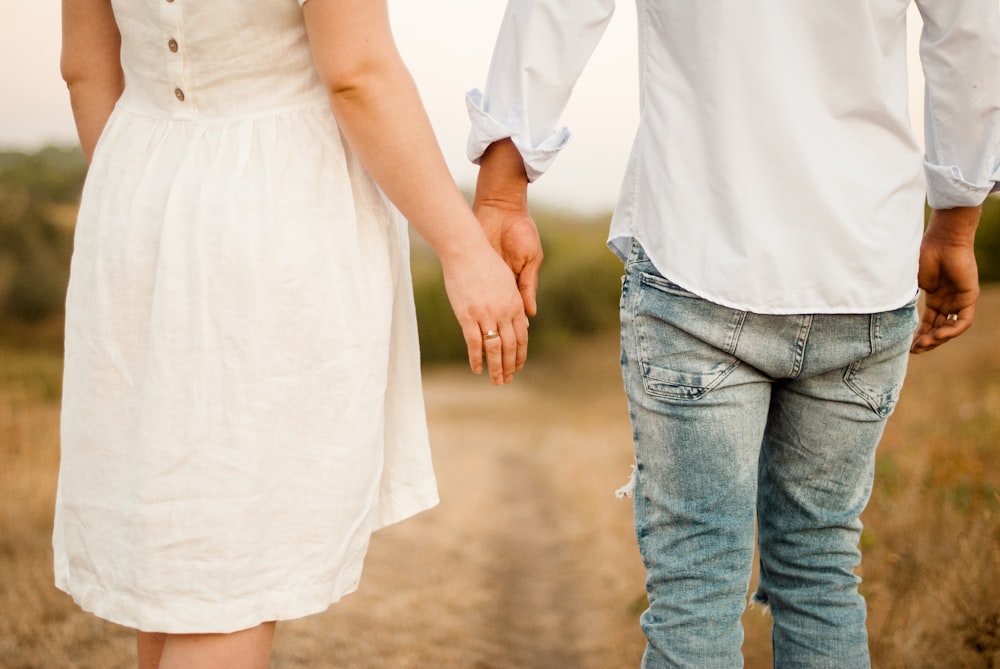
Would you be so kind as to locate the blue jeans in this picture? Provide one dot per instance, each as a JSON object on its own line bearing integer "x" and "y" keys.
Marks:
{"x": 737, "y": 416}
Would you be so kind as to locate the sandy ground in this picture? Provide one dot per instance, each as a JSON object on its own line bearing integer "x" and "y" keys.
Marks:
{"x": 529, "y": 561}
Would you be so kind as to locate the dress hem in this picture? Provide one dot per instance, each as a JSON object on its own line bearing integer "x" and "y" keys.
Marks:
{"x": 283, "y": 606}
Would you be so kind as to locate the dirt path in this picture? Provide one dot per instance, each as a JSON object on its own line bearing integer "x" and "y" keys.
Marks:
{"x": 528, "y": 562}
{"x": 536, "y": 580}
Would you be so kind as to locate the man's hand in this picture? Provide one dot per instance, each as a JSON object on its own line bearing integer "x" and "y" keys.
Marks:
{"x": 501, "y": 205}
{"x": 948, "y": 276}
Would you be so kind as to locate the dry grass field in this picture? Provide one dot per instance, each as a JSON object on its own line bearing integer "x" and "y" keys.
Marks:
{"x": 529, "y": 562}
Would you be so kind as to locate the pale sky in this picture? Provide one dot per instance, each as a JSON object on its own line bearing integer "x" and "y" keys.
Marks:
{"x": 447, "y": 45}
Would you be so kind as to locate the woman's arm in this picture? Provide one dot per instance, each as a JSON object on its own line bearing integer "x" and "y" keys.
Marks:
{"x": 380, "y": 113}
{"x": 91, "y": 66}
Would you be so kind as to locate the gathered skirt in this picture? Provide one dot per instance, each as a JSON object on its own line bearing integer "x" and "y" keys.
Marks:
{"x": 242, "y": 403}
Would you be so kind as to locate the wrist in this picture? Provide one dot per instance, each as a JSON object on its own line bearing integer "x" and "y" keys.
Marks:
{"x": 463, "y": 239}
{"x": 502, "y": 180}
{"x": 954, "y": 227}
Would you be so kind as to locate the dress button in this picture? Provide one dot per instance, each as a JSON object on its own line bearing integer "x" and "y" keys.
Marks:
{"x": 172, "y": 45}
{"x": 179, "y": 94}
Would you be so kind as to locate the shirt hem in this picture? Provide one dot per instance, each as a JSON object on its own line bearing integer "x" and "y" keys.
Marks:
{"x": 619, "y": 244}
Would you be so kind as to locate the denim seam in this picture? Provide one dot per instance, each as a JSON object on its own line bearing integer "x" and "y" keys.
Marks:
{"x": 876, "y": 333}
{"x": 665, "y": 285}
{"x": 633, "y": 255}
{"x": 739, "y": 319}
{"x": 695, "y": 392}
{"x": 685, "y": 393}
{"x": 800, "y": 347}
{"x": 628, "y": 365}
{"x": 881, "y": 408}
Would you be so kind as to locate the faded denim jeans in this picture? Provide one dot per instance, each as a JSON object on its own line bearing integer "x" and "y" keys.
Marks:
{"x": 740, "y": 416}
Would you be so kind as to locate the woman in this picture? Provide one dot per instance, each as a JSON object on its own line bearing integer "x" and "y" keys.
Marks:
{"x": 242, "y": 400}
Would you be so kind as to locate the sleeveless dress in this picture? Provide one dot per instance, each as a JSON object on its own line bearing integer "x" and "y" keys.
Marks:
{"x": 242, "y": 402}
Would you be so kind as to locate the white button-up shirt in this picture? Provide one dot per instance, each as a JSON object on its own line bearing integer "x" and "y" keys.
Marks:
{"x": 774, "y": 168}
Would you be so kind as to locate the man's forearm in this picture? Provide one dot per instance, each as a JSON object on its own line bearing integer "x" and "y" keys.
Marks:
{"x": 955, "y": 227}
{"x": 501, "y": 205}
{"x": 502, "y": 181}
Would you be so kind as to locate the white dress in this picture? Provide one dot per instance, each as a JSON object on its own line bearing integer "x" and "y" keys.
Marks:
{"x": 242, "y": 403}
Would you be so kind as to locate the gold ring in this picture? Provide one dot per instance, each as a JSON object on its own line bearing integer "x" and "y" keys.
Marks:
{"x": 491, "y": 334}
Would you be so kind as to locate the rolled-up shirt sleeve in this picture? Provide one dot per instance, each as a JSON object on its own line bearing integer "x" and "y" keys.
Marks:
{"x": 542, "y": 48}
{"x": 960, "y": 54}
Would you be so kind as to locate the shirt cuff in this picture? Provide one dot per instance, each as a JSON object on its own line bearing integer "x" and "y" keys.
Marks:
{"x": 946, "y": 189}
{"x": 486, "y": 129}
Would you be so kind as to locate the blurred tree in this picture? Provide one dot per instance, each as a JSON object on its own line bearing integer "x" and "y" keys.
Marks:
{"x": 988, "y": 241}
{"x": 578, "y": 295}
{"x": 35, "y": 237}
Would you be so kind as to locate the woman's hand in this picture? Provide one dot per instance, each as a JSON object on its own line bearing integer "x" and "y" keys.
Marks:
{"x": 485, "y": 298}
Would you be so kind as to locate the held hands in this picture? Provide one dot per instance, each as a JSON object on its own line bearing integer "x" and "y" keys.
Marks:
{"x": 513, "y": 235}
{"x": 492, "y": 287}
{"x": 948, "y": 276}
{"x": 501, "y": 205}
{"x": 485, "y": 300}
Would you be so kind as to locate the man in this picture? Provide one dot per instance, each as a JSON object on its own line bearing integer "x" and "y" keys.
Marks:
{"x": 770, "y": 223}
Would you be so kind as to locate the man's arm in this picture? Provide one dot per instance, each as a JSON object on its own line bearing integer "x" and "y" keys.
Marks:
{"x": 540, "y": 52}
{"x": 960, "y": 53}
{"x": 501, "y": 205}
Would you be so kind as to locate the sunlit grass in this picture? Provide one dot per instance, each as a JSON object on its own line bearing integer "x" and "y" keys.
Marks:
{"x": 932, "y": 537}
